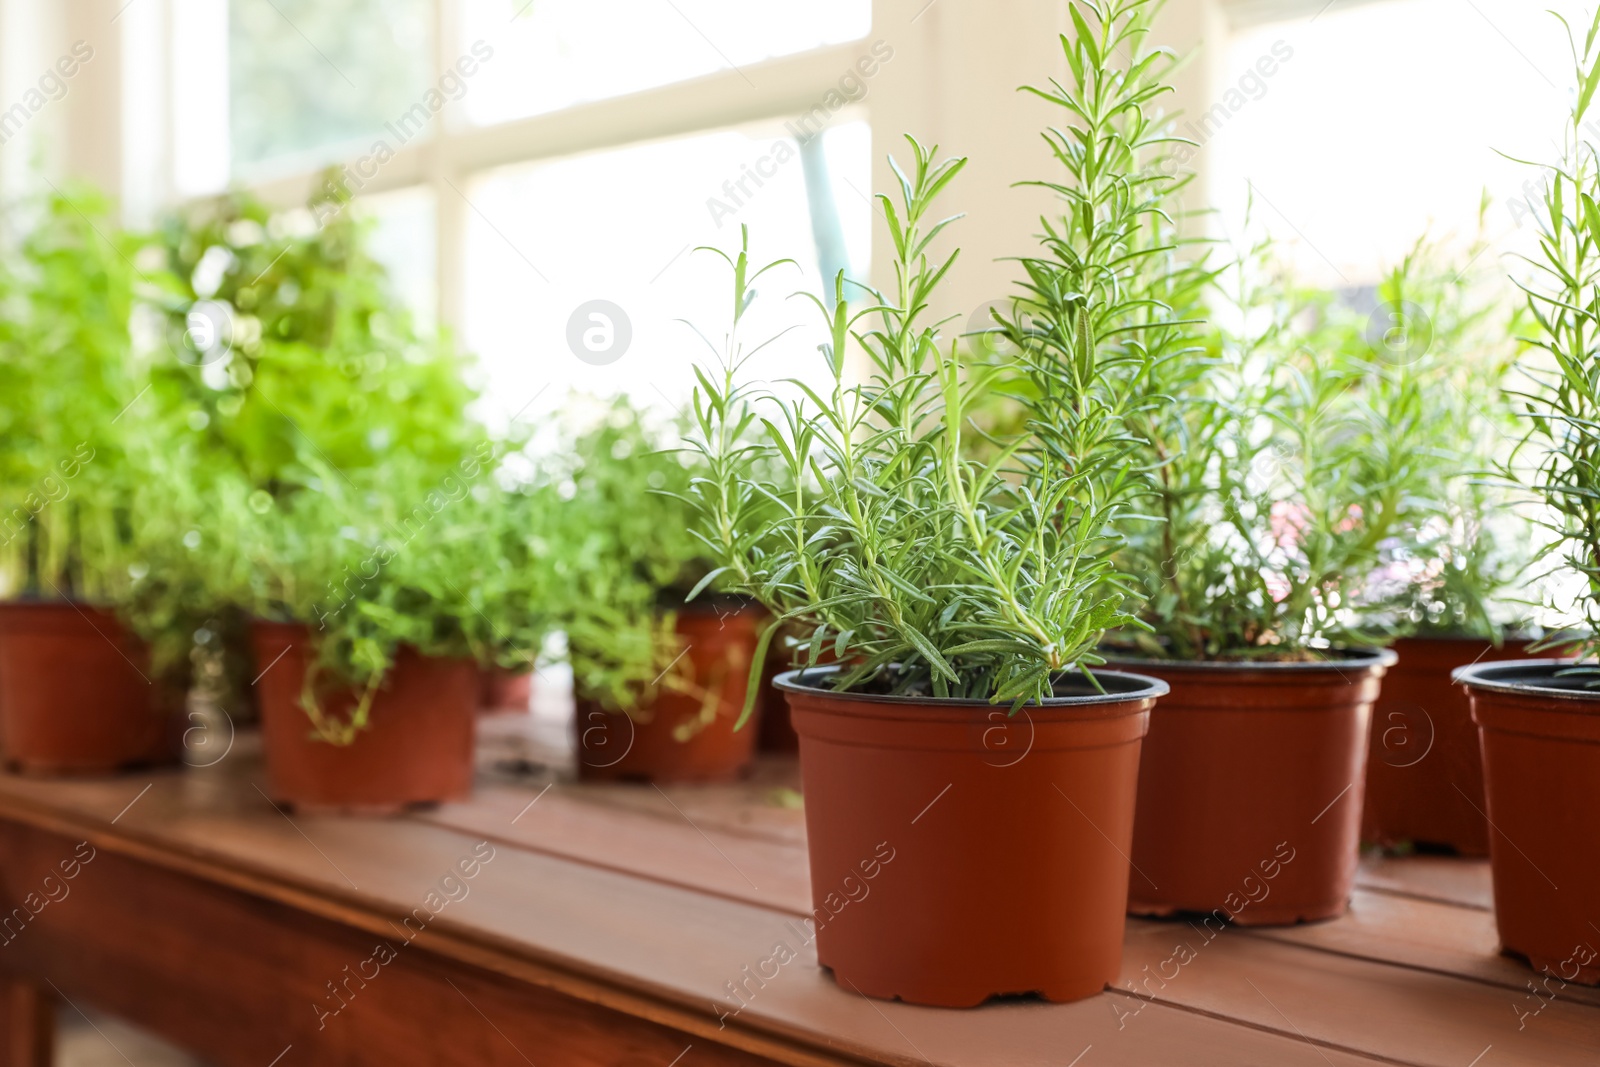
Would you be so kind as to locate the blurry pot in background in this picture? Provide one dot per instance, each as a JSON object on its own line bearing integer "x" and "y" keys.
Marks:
{"x": 1424, "y": 771}
{"x": 685, "y": 731}
{"x": 502, "y": 689}
{"x": 1540, "y": 734}
{"x": 777, "y": 730}
{"x": 960, "y": 853}
{"x": 1250, "y": 788}
{"x": 417, "y": 748}
{"x": 76, "y": 695}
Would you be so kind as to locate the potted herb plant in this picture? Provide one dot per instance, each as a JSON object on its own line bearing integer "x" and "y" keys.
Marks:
{"x": 1539, "y": 720}
{"x": 1450, "y": 586}
{"x": 659, "y": 680}
{"x": 78, "y": 691}
{"x": 278, "y": 351}
{"x": 378, "y": 602}
{"x": 968, "y": 777}
{"x": 1281, "y": 467}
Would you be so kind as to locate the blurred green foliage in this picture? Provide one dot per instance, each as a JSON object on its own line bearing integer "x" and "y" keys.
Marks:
{"x": 68, "y": 387}
{"x": 626, "y": 556}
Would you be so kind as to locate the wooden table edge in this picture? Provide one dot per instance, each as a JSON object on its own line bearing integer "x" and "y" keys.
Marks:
{"x": 551, "y": 971}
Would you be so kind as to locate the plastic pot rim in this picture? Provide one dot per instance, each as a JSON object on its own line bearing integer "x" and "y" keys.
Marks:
{"x": 1353, "y": 658}
{"x": 1482, "y": 676}
{"x": 1122, "y": 687}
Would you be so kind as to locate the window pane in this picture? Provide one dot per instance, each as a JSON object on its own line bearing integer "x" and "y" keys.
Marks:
{"x": 550, "y": 54}
{"x": 1407, "y": 140}
{"x": 403, "y": 240}
{"x": 547, "y": 240}
{"x": 309, "y": 78}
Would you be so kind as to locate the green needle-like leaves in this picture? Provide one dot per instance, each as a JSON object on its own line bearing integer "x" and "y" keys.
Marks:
{"x": 927, "y": 556}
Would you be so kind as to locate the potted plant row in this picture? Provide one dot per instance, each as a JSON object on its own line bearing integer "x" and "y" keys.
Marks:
{"x": 276, "y": 520}
{"x": 1155, "y": 581}
{"x": 245, "y": 363}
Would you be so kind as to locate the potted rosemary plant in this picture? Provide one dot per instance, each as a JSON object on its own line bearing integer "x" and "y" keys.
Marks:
{"x": 1451, "y": 585}
{"x": 78, "y": 692}
{"x": 1281, "y": 466}
{"x": 963, "y": 599}
{"x": 1539, "y": 720}
{"x": 659, "y": 679}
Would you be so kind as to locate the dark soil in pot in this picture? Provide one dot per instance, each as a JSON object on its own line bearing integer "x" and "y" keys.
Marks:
{"x": 1540, "y": 735}
{"x": 683, "y": 736}
{"x": 417, "y": 748}
{"x": 959, "y": 853}
{"x": 1250, "y": 788}
{"x": 76, "y": 694}
{"x": 1424, "y": 772}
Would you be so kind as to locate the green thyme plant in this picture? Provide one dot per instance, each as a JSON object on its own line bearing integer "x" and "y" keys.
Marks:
{"x": 924, "y": 570}
{"x": 281, "y": 363}
{"x": 179, "y": 568}
{"x": 450, "y": 568}
{"x": 627, "y": 559}
{"x": 67, "y": 387}
{"x": 1562, "y": 403}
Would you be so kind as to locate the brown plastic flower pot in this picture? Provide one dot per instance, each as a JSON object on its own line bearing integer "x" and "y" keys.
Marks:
{"x": 960, "y": 853}
{"x": 417, "y": 748}
{"x": 1250, "y": 789}
{"x": 682, "y": 736}
{"x": 1424, "y": 773}
{"x": 1541, "y": 762}
{"x": 76, "y": 696}
{"x": 500, "y": 689}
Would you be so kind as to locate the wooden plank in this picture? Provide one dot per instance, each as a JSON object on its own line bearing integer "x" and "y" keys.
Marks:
{"x": 27, "y": 1024}
{"x": 244, "y": 982}
{"x": 523, "y": 752}
{"x": 1401, "y": 1014}
{"x": 676, "y": 836}
{"x": 1448, "y": 879}
{"x": 661, "y": 953}
{"x": 1443, "y": 938}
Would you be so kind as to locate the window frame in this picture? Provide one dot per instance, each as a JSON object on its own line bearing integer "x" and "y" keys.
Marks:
{"x": 456, "y": 150}
{"x": 950, "y": 83}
